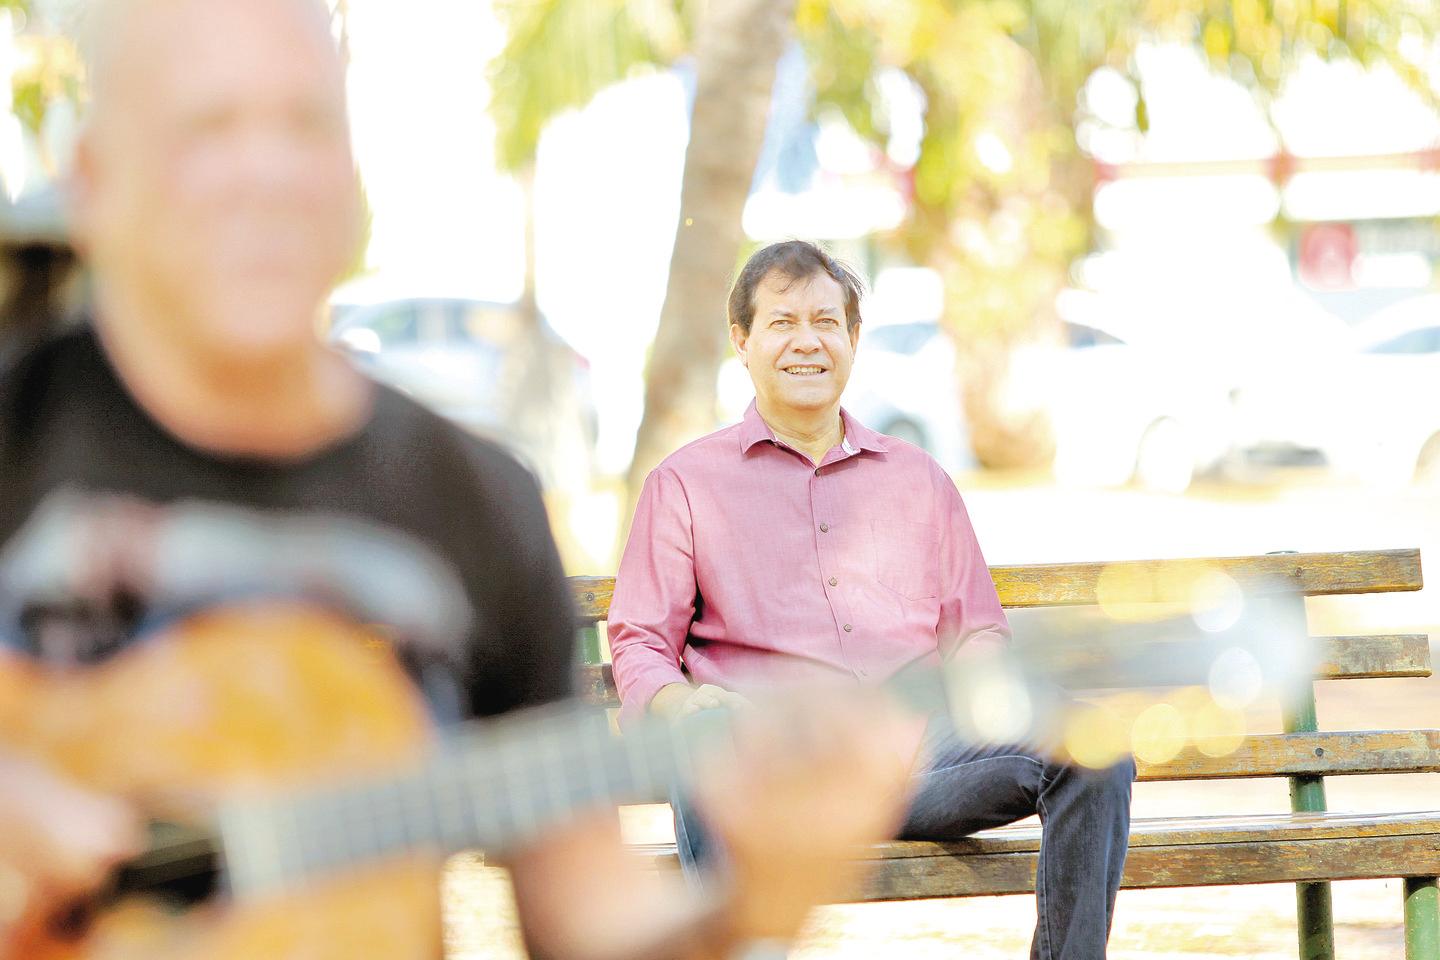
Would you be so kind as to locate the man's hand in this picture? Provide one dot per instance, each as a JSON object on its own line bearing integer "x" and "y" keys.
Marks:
{"x": 56, "y": 839}
{"x": 679, "y": 700}
{"x": 814, "y": 782}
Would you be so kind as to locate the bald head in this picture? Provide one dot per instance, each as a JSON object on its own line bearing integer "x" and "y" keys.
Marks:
{"x": 115, "y": 33}
{"x": 215, "y": 192}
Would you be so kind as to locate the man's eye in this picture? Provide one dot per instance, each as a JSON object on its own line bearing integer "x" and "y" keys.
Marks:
{"x": 210, "y": 122}
{"x": 826, "y": 322}
{"x": 316, "y": 121}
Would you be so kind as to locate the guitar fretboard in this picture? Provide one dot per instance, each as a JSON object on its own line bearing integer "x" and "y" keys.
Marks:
{"x": 490, "y": 786}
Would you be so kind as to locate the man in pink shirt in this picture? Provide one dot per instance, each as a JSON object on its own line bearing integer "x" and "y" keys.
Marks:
{"x": 801, "y": 547}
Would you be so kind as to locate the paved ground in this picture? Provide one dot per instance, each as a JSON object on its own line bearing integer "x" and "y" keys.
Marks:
{"x": 1021, "y": 523}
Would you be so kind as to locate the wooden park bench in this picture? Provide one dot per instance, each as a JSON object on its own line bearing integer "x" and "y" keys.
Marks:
{"x": 1308, "y": 847}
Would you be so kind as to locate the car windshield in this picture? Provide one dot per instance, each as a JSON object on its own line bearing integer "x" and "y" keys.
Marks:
{"x": 1423, "y": 340}
{"x": 1079, "y": 335}
{"x": 1411, "y": 326}
{"x": 902, "y": 338}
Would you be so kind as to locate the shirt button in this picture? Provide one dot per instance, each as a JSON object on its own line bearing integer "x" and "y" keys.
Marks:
{"x": 817, "y": 471}
{"x": 833, "y": 581}
{"x": 824, "y": 528}
{"x": 848, "y": 628}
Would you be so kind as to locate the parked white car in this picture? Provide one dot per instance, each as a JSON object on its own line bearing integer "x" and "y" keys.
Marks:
{"x": 1126, "y": 413}
{"x": 1382, "y": 407}
{"x": 488, "y": 368}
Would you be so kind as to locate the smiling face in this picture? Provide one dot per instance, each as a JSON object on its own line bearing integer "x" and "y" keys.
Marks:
{"x": 799, "y": 349}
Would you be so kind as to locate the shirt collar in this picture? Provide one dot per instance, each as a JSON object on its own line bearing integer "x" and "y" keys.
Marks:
{"x": 861, "y": 437}
{"x": 754, "y": 429}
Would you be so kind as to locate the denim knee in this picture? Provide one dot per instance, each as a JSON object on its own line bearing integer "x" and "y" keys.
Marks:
{"x": 1114, "y": 782}
{"x": 1109, "y": 785}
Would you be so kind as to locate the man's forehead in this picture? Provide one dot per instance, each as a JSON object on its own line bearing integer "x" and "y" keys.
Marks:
{"x": 130, "y": 40}
{"x": 818, "y": 282}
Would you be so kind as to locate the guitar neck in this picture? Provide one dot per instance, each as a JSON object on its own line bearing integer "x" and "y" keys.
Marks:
{"x": 491, "y": 786}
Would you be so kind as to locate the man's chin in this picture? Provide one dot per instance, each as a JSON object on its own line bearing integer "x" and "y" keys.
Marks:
{"x": 232, "y": 341}
{"x": 802, "y": 397}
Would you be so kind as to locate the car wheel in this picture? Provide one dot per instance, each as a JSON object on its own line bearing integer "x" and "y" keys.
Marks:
{"x": 909, "y": 431}
{"x": 1165, "y": 460}
{"x": 1427, "y": 465}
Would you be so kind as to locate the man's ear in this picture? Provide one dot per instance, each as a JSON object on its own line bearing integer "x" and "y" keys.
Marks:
{"x": 738, "y": 340}
{"x": 80, "y": 193}
{"x": 854, "y": 336}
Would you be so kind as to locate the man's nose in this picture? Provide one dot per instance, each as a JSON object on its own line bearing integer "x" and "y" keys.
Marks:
{"x": 806, "y": 340}
{"x": 275, "y": 159}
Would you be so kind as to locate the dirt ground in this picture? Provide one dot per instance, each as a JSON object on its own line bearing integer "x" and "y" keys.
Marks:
{"x": 1023, "y": 524}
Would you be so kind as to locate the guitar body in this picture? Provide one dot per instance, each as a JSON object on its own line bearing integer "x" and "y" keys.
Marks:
{"x": 239, "y": 701}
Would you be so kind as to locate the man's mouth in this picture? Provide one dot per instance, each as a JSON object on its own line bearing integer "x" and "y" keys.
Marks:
{"x": 809, "y": 370}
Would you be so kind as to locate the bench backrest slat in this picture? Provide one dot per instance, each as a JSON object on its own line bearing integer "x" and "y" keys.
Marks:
{"x": 1307, "y": 754}
{"x": 1141, "y": 581}
{"x": 1383, "y": 655}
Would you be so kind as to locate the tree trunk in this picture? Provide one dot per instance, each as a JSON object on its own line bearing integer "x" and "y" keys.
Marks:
{"x": 739, "y": 43}
{"x": 529, "y": 305}
{"x": 1002, "y": 290}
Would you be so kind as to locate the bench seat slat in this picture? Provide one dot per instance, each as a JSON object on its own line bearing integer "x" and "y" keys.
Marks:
{"x": 1170, "y": 832}
{"x": 1067, "y": 584}
{"x": 1201, "y": 851}
{"x": 1191, "y": 865}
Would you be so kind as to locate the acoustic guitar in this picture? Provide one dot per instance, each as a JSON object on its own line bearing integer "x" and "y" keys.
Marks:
{"x": 302, "y": 758}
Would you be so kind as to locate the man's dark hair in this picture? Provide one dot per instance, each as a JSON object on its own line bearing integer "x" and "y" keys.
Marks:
{"x": 793, "y": 260}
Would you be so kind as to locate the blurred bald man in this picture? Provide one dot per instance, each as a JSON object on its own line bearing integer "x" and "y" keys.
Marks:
{"x": 216, "y": 201}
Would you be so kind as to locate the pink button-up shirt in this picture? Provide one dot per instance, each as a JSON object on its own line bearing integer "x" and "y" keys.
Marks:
{"x": 753, "y": 567}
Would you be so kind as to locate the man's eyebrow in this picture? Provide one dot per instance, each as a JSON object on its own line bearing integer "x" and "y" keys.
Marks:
{"x": 787, "y": 312}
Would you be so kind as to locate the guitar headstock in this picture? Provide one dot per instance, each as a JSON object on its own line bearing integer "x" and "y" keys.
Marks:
{"x": 1147, "y": 678}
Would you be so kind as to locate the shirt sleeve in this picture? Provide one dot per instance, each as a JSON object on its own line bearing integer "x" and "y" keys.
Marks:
{"x": 654, "y": 601}
{"x": 970, "y": 613}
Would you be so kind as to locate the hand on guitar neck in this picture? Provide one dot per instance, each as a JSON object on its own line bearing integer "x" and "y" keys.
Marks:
{"x": 806, "y": 784}
{"x": 817, "y": 778}
{"x": 58, "y": 841}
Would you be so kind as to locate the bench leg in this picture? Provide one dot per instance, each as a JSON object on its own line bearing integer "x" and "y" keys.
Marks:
{"x": 1422, "y": 919}
{"x": 1317, "y": 930}
{"x": 590, "y": 645}
{"x": 1307, "y": 795}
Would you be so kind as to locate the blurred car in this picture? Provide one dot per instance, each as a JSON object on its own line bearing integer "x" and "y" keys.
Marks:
{"x": 1381, "y": 406}
{"x": 1123, "y": 412}
{"x": 1280, "y": 386}
{"x": 486, "y": 366}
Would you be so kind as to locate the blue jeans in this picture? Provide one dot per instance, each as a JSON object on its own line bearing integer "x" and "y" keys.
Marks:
{"x": 964, "y": 788}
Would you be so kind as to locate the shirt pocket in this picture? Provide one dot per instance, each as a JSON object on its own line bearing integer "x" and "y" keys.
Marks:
{"x": 906, "y": 558}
